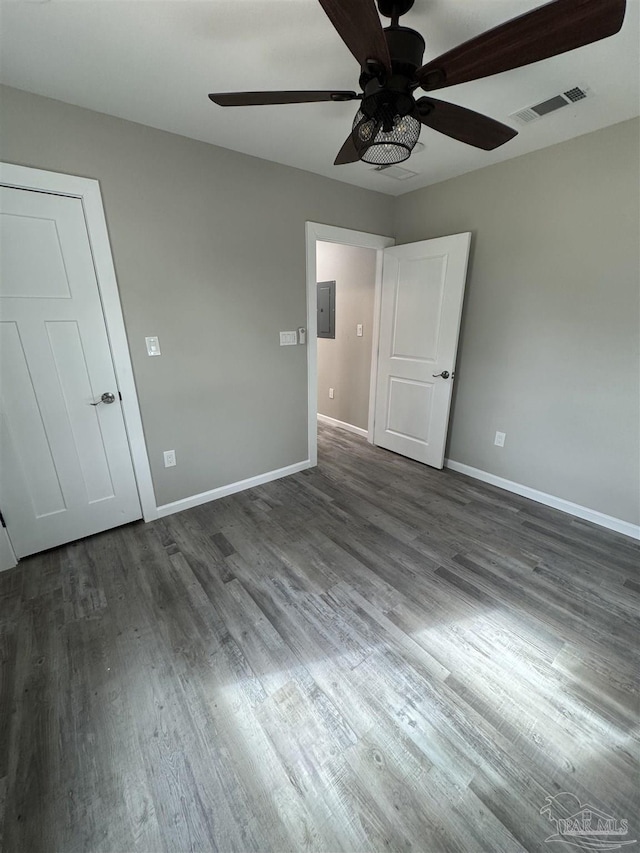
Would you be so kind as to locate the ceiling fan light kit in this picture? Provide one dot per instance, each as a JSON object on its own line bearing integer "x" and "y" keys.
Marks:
{"x": 389, "y": 119}
{"x": 382, "y": 147}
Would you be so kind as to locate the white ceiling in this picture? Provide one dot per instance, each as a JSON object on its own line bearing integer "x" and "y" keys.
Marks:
{"x": 154, "y": 63}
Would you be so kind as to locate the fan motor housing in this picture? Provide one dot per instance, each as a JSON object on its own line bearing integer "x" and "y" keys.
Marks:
{"x": 391, "y": 8}
{"x": 406, "y": 49}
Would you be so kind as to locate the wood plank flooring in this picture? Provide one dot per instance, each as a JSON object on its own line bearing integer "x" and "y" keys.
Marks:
{"x": 367, "y": 656}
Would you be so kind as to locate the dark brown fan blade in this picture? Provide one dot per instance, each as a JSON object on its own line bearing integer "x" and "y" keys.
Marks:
{"x": 251, "y": 99}
{"x": 359, "y": 27}
{"x": 547, "y": 31}
{"x": 463, "y": 124}
{"x": 355, "y": 146}
{"x": 348, "y": 153}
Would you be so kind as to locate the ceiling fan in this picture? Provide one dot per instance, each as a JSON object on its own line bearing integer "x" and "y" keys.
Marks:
{"x": 389, "y": 119}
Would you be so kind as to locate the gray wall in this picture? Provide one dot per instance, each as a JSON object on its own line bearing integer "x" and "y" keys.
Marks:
{"x": 210, "y": 255}
{"x": 344, "y": 362}
{"x": 549, "y": 348}
{"x": 209, "y": 248}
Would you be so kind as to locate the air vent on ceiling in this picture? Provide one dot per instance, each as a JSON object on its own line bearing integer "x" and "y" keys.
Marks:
{"x": 550, "y": 105}
{"x": 396, "y": 172}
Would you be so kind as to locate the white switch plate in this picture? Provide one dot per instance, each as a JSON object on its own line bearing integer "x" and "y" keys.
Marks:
{"x": 359, "y": 330}
{"x": 499, "y": 439}
{"x": 169, "y": 458}
{"x": 331, "y": 393}
{"x": 153, "y": 346}
{"x": 302, "y": 335}
{"x": 288, "y": 339}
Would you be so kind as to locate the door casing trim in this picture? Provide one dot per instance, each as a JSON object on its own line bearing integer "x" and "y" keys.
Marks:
{"x": 88, "y": 191}
{"x": 332, "y": 234}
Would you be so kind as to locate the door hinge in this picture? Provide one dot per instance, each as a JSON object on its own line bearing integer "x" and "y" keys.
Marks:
{"x": 120, "y": 395}
{"x": 2, "y": 521}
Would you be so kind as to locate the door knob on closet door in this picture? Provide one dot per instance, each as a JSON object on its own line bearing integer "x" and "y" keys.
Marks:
{"x": 107, "y": 397}
{"x": 445, "y": 374}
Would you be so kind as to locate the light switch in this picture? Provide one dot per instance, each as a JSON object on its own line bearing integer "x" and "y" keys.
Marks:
{"x": 359, "y": 330}
{"x": 288, "y": 339}
{"x": 153, "y": 346}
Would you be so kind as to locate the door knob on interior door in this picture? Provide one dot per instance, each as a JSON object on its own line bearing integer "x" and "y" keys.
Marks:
{"x": 445, "y": 374}
{"x": 107, "y": 397}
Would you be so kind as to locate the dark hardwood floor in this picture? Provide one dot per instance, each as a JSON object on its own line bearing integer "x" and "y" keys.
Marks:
{"x": 367, "y": 656}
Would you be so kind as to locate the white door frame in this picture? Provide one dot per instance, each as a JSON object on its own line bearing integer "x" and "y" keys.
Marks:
{"x": 88, "y": 191}
{"x": 332, "y": 234}
{"x": 7, "y": 557}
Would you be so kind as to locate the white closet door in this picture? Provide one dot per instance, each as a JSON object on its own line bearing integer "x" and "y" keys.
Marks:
{"x": 65, "y": 465}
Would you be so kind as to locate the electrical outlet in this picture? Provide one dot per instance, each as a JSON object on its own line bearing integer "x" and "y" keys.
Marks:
{"x": 331, "y": 393}
{"x": 169, "y": 458}
{"x": 359, "y": 330}
{"x": 499, "y": 439}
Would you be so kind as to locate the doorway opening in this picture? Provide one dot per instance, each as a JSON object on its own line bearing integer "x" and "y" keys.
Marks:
{"x": 346, "y": 289}
{"x": 346, "y": 363}
{"x": 419, "y": 290}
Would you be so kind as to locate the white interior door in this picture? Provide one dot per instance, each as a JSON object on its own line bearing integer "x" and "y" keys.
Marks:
{"x": 421, "y": 305}
{"x": 65, "y": 464}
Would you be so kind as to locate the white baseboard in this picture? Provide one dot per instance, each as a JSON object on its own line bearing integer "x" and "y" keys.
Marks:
{"x": 231, "y": 489}
{"x": 608, "y": 521}
{"x": 349, "y": 427}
